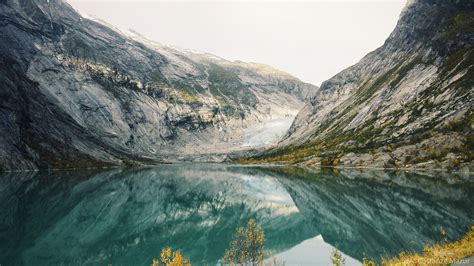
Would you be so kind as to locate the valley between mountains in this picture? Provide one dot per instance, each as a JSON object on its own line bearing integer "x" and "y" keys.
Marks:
{"x": 79, "y": 93}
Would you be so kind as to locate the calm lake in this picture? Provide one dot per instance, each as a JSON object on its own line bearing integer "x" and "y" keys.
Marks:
{"x": 125, "y": 216}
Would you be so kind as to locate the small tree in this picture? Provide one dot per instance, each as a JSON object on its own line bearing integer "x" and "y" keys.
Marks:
{"x": 170, "y": 258}
{"x": 368, "y": 262}
{"x": 247, "y": 247}
{"x": 336, "y": 258}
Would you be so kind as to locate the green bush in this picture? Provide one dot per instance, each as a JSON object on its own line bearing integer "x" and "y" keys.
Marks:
{"x": 247, "y": 247}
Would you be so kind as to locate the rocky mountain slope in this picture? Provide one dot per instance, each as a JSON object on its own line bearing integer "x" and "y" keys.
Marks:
{"x": 76, "y": 92}
{"x": 407, "y": 104}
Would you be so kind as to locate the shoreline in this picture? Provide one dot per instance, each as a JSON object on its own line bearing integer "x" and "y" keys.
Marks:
{"x": 300, "y": 166}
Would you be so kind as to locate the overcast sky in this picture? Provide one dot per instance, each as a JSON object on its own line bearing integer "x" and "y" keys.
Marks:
{"x": 312, "y": 40}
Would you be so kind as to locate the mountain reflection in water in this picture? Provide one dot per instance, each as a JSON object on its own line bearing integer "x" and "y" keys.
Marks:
{"x": 125, "y": 216}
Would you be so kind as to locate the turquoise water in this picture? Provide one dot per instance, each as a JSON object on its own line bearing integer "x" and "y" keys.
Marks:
{"x": 125, "y": 217}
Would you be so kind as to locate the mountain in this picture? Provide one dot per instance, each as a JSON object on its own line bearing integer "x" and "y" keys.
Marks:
{"x": 77, "y": 92}
{"x": 407, "y": 104}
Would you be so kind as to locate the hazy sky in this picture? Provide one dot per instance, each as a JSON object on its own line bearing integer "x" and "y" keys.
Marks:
{"x": 312, "y": 40}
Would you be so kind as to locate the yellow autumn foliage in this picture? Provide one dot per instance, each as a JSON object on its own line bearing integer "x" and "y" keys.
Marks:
{"x": 439, "y": 254}
{"x": 247, "y": 247}
{"x": 170, "y": 258}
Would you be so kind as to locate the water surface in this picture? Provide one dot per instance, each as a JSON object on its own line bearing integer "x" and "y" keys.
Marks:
{"x": 125, "y": 216}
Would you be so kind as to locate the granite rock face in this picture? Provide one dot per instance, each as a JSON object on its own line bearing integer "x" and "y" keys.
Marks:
{"x": 409, "y": 102}
{"x": 76, "y": 92}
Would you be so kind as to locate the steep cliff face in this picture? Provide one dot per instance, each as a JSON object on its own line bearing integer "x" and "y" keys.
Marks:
{"x": 77, "y": 92}
{"x": 408, "y": 103}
